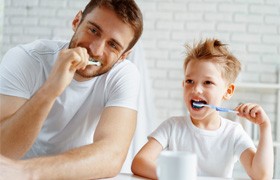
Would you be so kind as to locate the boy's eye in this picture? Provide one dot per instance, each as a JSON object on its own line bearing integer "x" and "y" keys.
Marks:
{"x": 208, "y": 82}
{"x": 189, "y": 81}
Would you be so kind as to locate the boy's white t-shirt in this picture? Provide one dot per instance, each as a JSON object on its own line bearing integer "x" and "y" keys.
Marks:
{"x": 217, "y": 150}
{"x": 74, "y": 116}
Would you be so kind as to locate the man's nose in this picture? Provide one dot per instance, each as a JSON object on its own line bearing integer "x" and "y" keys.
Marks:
{"x": 97, "y": 48}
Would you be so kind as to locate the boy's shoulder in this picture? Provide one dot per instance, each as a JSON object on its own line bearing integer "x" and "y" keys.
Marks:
{"x": 175, "y": 121}
{"x": 231, "y": 125}
{"x": 229, "y": 122}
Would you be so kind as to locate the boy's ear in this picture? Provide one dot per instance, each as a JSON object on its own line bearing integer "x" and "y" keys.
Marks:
{"x": 229, "y": 92}
{"x": 76, "y": 21}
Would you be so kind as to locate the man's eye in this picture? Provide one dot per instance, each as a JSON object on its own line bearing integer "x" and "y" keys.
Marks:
{"x": 93, "y": 30}
{"x": 113, "y": 45}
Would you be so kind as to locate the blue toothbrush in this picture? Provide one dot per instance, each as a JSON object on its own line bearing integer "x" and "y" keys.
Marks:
{"x": 200, "y": 105}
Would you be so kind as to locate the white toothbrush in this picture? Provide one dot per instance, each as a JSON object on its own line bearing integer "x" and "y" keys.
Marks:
{"x": 94, "y": 62}
{"x": 199, "y": 105}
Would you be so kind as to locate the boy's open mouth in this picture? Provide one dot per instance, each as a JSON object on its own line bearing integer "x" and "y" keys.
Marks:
{"x": 197, "y": 102}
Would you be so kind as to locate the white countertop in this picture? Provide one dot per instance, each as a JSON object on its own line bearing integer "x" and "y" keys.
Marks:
{"x": 123, "y": 176}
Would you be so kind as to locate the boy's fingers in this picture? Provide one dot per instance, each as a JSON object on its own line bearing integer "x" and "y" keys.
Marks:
{"x": 254, "y": 111}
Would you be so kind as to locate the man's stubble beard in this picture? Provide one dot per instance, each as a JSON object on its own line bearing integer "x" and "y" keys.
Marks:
{"x": 82, "y": 72}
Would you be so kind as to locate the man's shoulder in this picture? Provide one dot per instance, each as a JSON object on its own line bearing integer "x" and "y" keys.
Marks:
{"x": 42, "y": 46}
{"x": 125, "y": 64}
{"x": 124, "y": 68}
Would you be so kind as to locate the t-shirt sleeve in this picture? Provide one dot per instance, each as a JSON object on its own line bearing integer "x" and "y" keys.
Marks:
{"x": 17, "y": 73}
{"x": 163, "y": 133}
{"x": 242, "y": 141}
{"x": 123, "y": 86}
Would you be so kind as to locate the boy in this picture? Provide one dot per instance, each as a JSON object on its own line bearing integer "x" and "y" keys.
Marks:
{"x": 210, "y": 71}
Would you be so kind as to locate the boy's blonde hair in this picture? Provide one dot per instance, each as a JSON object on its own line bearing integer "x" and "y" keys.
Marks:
{"x": 215, "y": 51}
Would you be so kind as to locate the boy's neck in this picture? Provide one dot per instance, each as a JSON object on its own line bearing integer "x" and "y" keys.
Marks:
{"x": 211, "y": 122}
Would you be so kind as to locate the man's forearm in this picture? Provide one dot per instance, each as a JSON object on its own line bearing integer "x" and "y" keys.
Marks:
{"x": 98, "y": 160}
{"x": 19, "y": 131}
{"x": 104, "y": 158}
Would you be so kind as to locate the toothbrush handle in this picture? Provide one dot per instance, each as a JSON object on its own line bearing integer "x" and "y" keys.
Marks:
{"x": 225, "y": 110}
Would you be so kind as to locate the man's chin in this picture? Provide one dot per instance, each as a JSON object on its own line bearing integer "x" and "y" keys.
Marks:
{"x": 89, "y": 73}
{"x": 85, "y": 75}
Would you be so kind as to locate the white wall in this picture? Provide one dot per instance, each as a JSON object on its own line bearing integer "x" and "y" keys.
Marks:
{"x": 1, "y": 24}
{"x": 250, "y": 27}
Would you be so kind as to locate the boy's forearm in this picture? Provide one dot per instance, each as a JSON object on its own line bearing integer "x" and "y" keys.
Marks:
{"x": 264, "y": 158}
{"x": 144, "y": 168}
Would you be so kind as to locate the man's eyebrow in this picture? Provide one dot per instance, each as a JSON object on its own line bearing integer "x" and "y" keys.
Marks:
{"x": 97, "y": 26}
{"x": 100, "y": 29}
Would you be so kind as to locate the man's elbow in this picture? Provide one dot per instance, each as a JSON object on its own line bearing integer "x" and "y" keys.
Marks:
{"x": 116, "y": 168}
{"x": 115, "y": 164}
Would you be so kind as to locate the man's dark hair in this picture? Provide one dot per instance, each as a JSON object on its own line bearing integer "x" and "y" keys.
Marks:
{"x": 127, "y": 10}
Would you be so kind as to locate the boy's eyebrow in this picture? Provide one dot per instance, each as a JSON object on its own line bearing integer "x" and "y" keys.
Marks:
{"x": 101, "y": 30}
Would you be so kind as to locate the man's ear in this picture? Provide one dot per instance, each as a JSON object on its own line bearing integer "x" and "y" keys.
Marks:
{"x": 229, "y": 92}
{"x": 124, "y": 55}
{"x": 76, "y": 21}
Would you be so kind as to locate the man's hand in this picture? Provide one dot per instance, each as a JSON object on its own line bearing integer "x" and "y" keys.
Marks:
{"x": 68, "y": 61}
{"x": 22, "y": 119}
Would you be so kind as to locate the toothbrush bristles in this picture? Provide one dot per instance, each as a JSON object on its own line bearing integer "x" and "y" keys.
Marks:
{"x": 94, "y": 62}
{"x": 197, "y": 104}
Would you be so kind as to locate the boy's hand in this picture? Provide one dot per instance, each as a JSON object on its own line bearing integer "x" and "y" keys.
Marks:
{"x": 252, "y": 112}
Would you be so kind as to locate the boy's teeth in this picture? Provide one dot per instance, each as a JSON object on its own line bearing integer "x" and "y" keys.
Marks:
{"x": 198, "y": 102}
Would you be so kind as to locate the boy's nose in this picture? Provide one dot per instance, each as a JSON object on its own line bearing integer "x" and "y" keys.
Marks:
{"x": 197, "y": 89}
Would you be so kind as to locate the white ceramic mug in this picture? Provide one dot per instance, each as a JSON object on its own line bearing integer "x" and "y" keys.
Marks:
{"x": 176, "y": 165}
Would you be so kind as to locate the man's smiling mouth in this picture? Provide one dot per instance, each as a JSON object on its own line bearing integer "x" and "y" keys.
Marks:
{"x": 94, "y": 62}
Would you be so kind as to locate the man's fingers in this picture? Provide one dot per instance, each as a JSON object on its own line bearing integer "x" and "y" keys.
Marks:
{"x": 79, "y": 57}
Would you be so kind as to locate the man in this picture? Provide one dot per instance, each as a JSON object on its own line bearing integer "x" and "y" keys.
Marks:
{"x": 70, "y": 118}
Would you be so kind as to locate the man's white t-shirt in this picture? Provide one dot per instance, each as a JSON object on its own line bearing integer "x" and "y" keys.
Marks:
{"x": 74, "y": 116}
{"x": 216, "y": 150}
